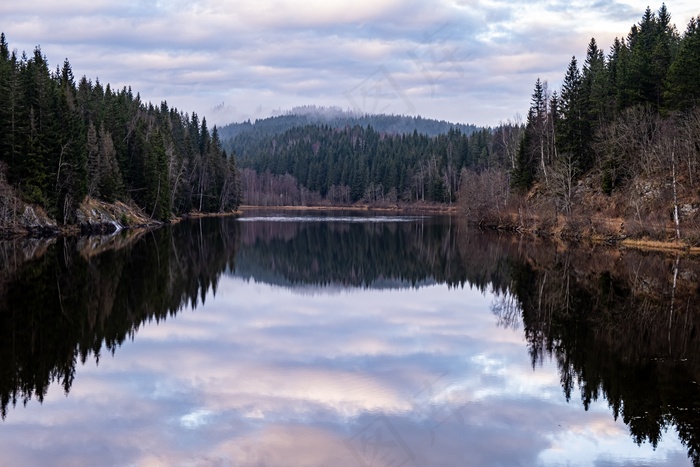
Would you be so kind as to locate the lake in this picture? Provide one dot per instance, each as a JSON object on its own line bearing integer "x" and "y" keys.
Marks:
{"x": 345, "y": 339}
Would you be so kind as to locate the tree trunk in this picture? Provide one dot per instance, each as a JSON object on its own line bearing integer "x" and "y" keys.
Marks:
{"x": 676, "y": 217}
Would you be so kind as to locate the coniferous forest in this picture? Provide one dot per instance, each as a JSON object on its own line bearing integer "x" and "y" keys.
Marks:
{"x": 621, "y": 136}
{"x": 359, "y": 164}
{"x": 63, "y": 140}
{"x": 614, "y": 152}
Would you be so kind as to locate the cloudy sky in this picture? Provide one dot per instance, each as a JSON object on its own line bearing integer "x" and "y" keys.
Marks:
{"x": 470, "y": 61}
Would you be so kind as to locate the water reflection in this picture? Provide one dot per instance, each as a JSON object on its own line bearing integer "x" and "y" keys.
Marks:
{"x": 64, "y": 300}
{"x": 387, "y": 252}
{"x": 622, "y": 326}
{"x": 423, "y": 353}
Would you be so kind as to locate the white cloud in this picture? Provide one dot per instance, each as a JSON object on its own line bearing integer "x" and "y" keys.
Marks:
{"x": 470, "y": 61}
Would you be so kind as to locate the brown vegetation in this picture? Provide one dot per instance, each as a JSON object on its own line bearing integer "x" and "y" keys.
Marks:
{"x": 655, "y": 192}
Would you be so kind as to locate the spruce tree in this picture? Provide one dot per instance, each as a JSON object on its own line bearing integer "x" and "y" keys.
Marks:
{"x": 570, "y": 125}
{"x": 110, "y": 178}
{"x": 7, "y": 72}
{"x": 682, "y": 87}
{"x": 71, "y": 170}
{"x": 594, "y": 85}
{"x": 93, "y": 161}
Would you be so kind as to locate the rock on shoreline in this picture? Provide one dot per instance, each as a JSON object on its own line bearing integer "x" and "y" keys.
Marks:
{"x": 92, "y": 217}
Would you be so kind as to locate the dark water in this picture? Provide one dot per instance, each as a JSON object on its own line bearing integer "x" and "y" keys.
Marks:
{"x": 345, "y": 340}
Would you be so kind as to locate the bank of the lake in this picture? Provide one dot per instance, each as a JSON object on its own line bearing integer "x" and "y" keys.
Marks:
{"x": 91, "y": 217}
{"x": 561, "y": 230}
{"x": 96, "y": 217}
{"x": 430, "y": 208}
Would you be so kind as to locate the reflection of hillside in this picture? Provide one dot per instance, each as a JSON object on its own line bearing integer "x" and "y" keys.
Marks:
{"x": 64, "y": 305}
{"x": 377, "y": 255}
{"x": 620, "y": 325}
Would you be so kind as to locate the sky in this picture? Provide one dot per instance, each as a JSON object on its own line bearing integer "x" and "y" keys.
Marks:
{"x": 467, "y": 61}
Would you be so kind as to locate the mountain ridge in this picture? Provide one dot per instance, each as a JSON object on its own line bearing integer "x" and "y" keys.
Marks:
{"x": 335, "y": 117}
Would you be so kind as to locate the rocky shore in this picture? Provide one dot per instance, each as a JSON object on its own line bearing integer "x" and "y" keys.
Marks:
{"x": 92, "y": 217}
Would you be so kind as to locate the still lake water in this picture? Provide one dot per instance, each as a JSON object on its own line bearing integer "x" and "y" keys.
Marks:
{"x": 345, "y": 340}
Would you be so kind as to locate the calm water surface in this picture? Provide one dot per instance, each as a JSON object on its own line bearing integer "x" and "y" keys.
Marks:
{"x": 344, "y": 340}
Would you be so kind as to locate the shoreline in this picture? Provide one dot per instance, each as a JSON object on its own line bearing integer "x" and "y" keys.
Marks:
{"x": 659, "y": 245}
{"x": 643, "y": 244}
{"x": 435, "y": 209}
{"x": 640, "y": 244}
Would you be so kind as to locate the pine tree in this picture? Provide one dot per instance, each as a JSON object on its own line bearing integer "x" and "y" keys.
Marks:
{"x": 523, "y": 175}
{"x": 570, "y": 124}
{"x": 618, "y": 67}
{"x": 93, "y": 161}
{"x": 641, "y": 76}
{"x": 157, "y": 188}
{"x": 682, "y": 88}
{"x": 594, "y": 85}
{"x": 533, "y": 150}
{"x": 71, "y": 170}
{"x": 231, "y": 190}
{"x": 538, "y": 123}
{"x": 110, "y": 178}
{"x": 665, "y": 49}
{"x": 33, "y": 160}
{"x": 7, "y": 72}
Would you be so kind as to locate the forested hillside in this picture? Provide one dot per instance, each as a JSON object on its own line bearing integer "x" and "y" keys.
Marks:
{"x": 62, "y": 140}
{"x": 652, "y": 73}
{"x": 617, "y": 149}
{"x": 615, "y": 152}
{"x": 314, "y": 164}
{"x": 316, "y": 155}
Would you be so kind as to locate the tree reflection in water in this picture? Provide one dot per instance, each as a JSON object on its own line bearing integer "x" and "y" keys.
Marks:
{"x": 621, "y": 325}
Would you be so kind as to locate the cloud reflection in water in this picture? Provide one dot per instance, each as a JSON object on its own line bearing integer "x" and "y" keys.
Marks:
{"x": 261, "y": 375}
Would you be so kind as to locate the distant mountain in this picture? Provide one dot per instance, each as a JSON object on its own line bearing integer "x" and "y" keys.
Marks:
{"x": 336, "y": 117}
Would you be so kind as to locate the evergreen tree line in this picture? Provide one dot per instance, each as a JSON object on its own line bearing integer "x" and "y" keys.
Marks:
{"x": 654, "y": 72}
{"x": 359, "y": 163}
{"x": 62, "y": 140}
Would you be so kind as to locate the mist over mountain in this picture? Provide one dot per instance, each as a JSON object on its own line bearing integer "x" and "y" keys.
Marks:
{"x": 335, "y": 117}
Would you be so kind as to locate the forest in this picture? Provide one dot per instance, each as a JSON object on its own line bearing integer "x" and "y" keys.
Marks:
{"x": 618, "y": 141}
{"x": 63, "y": 141}
{"x": 337, "y": 118}
{"x": 613, "y": 153}
{"x": 80, "y": 303}
{"x": 313, "y": 164}
{"x": 620, "y": 327}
